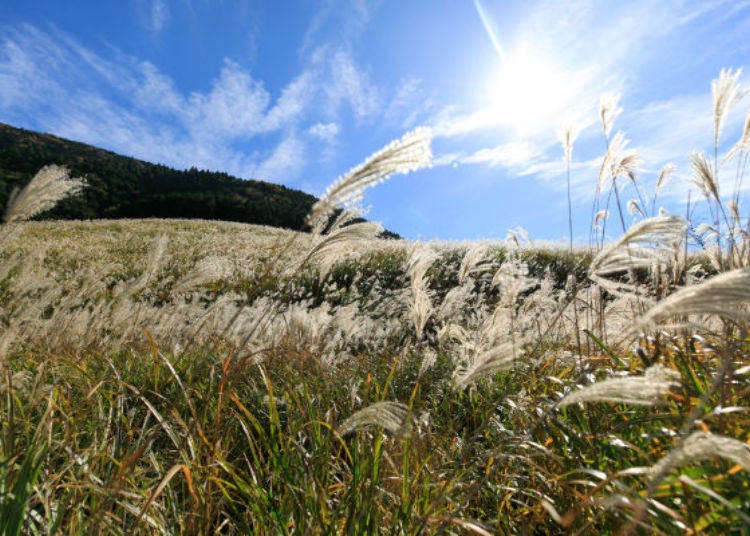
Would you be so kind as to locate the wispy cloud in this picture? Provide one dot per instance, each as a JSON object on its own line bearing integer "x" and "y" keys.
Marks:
{"x": 349, "y": 84}
{"x": 337, "y": 23}
{"x": 410, "y": 104}
{"x": 286, "y": 160}
{"x": 667, "y": 131}
{"x": 561, "y": 38}
{"x": 513, "y": 155}
{"x": 51, "y": 82}
{"x": 159, "y": 14}
{"x": 153, "y": 15}
{"x": 326, "y": 132}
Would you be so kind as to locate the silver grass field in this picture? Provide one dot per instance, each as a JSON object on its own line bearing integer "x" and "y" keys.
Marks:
{"x": 194, "y": 377}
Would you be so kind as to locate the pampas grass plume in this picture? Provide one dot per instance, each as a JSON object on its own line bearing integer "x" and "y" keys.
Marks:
{"x": 726, "y": 294}
{"x": 49, "y": 186}
{"x": 644, "y": 390}
{"x": 743, "y": 144}
{"x": 703, "y": 176}
{"x": 643, "y": 244}
{"x": 702, "y": 446}
{"x": 618, "y": 161}
{"x": 609, "y": 110}
{"x": 342, "y": 242}
{"x": 501, "y": 357}
{"x": 567, "y": 136}
{"x": 726, "y": 92}
{"x": 410, "y": 153}
{"x": 389, "y": 415}
{"x": 665, "y": 173}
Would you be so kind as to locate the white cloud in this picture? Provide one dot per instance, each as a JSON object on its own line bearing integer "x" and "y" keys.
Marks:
{"x": 510, "y": 155}
{"x": 325, "y": 132}
{"x": 408, "y": 105}
{"x": 50, "y": 81}
{"x": 234, "y": 107}
{"x": 513, "y": 155}
{"x": 669, "y": 130}
{"x": 159, "y": 14}
{"x": 286, "y": 160}
{"x": 54, "y": 84}
{"x": 291, "y": 104}
{"x": 16, "y": 68}
{"x": 593, "y": 48}
{"x": 156, "y": 92}
{"x": 338, "y": 23}
{"x": 350, "y": 84}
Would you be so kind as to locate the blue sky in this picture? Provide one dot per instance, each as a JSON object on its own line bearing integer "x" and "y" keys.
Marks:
{"x": 297, "y": 92}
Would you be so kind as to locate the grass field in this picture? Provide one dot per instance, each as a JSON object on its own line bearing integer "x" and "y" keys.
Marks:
{"x": 165, "y": 376}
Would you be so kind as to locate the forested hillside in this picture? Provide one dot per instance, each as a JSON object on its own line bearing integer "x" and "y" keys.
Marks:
{"x": 123, "y": 187}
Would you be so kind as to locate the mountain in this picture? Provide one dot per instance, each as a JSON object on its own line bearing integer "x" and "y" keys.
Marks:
{"x": 123, "y": 187}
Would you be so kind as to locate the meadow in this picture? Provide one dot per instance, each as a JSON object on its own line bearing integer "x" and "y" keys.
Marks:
{"x": 194, "y": 377}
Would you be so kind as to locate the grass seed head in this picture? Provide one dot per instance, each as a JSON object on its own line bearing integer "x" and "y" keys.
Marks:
{"x": 389, "y": 415}
{"x": 48, "y": 187}
{"x": 726, "y": 294}
{"x": 609, "y": 110}
{"x": 410, "y": 153}
{"x": 726, "y": 92}
{"x": 645, "y": 390}
{"x": 703, "y": 445}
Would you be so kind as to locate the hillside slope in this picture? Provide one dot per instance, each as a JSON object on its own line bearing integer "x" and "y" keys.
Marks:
{"x": 123, "y": 187}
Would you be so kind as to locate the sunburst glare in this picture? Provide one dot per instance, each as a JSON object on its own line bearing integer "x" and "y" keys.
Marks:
{"x": 528, "y": 92}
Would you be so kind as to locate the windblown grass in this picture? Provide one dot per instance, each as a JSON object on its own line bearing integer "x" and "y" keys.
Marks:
{"x": 195, "y": 377}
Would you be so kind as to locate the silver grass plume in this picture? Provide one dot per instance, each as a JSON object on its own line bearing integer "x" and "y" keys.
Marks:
{"x": 343, "y": 218}
{"x": 49, "y": 186}
{"x": 208, "y": 269}
{"x": 744, "y": 142}
{"x": 455, "y": 302}
{"x": 567, "y": 137}
{"x": 725, "y": 294}
{"x": 706, "y": 231}
{"x": 726, "y": 92}
{"x": 703, "y": 176}
{"x": 649, "y": 241}
{"x": 609, "y": 110}
{"x": 600, "y": 217}
{"x": 501, "y": 357}
{"x": 666, "y": 171}
{"x": 454, "y": 331}
{"x": 512, "y": 277}
{"x": 634, "y": 208}
{"x": 342, "y": 242}
{"x": 420, "y": 307}
{"x": 618, "y": 161}
{"x": 410, "y": 153}
{"x": 702, "y": 445}
{"x": 154, "y": 261}
{"x": 422, "y": 257}
{"x": 734, "y": 211}
{"x": 473, "y": 256}
{"x": 644, "y": 390}
{"x": 389, "y": 415}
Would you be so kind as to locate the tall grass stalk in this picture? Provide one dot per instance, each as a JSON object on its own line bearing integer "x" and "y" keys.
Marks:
{"x": 194, "y": 378}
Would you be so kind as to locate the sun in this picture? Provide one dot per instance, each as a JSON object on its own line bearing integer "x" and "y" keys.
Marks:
{"x": 527, "y": 93}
